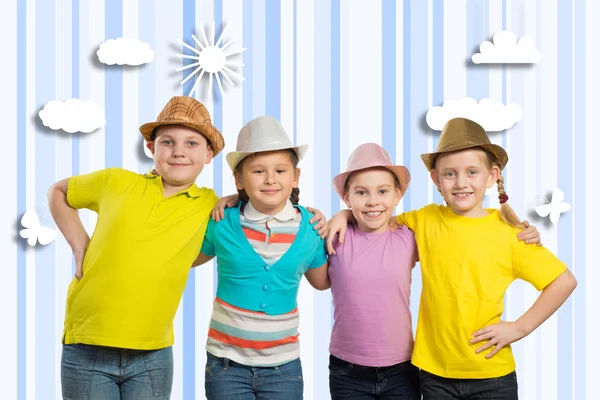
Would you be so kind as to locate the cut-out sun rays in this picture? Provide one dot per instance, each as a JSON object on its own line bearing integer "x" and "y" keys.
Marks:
{"x": 211, "y": 59}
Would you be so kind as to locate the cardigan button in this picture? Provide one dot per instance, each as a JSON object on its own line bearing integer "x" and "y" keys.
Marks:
{"x": 265, "y": 288}
{"x": 267, "y": 268}
{"x": 263, "y": 305}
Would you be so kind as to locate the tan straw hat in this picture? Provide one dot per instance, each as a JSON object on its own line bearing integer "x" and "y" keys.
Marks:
{"x": 461, "y": 134}
{"x": 370, "y": 155}
{"x": 186, "y": 111}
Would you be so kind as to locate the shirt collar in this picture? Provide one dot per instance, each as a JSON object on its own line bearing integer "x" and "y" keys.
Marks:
{"x": 287, "y": 214}
{"x": 192, "y": 191}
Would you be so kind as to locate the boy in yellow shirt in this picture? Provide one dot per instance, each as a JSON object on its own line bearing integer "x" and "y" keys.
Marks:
{"x": 131, "y": 274}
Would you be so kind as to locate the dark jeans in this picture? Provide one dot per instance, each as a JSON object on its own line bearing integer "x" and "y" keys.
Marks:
{"x": 227, "y": 380}
{"x": 438, "y": 388}
{"x": 351, "y": 381}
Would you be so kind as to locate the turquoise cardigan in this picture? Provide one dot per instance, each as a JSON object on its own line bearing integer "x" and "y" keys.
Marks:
{"x": 245, "y": 280}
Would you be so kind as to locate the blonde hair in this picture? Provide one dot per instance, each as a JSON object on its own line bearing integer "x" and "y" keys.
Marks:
{"x": 507, "y": 214}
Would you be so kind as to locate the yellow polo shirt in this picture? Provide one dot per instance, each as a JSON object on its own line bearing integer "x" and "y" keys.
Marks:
{"x": 137, "y": 261}
{"x": 466, "y": 266}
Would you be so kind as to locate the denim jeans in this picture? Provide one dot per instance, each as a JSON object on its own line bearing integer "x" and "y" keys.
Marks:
{"x": 227, "y": 380}
{"x": 109, "y": 373}
{"x": 438, "y": 388}
{"x": 351, "y": 381}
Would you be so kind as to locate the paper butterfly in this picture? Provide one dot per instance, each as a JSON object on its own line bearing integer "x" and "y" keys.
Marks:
{"x": 34, "y": 231}
{"x": 556, "y": 207}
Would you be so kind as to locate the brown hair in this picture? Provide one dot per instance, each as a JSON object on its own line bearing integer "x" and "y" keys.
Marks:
{"x": 349, "y": 178}
{"x": 294, "y": 196}
{"x": 507, "y": 214}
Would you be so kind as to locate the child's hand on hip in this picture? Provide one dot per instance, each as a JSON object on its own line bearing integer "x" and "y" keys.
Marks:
{"x": 498, "y": 335}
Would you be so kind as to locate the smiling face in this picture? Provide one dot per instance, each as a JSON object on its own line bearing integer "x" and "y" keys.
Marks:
{"x": 462, "y": 178}
{"x": 180, "y": 154}
{"x": 372, "y": 195}
{"x": 268, "y": 179}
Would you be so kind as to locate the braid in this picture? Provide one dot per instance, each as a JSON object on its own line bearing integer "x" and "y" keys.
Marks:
{"x": 295, "y": 196}
{"x": 507, "y": 214}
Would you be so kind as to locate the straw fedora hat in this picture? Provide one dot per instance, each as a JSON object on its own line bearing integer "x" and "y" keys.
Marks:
{"x": 461, "y": 134}
{"x": 370, "y": 155}
{"x": 262, "y": 134}
{"x": 186, "y": 111}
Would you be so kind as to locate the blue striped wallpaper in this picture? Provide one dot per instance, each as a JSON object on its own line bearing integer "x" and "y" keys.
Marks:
{"x": 337, "y": 74}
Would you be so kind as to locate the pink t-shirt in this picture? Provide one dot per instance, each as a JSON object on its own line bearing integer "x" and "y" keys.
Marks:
{"x": 370, "y": 281}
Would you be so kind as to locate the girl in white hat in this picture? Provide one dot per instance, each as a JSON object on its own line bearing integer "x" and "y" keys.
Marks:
{"x": 263, "y": 246}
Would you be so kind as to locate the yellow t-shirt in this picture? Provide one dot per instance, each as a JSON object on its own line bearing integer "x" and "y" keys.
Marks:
{"x": 466, "y": 266}
{"x": 137, "y": 261}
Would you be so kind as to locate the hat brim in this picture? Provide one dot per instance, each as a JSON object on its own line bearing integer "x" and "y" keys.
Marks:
{"x": 235, "y": 157}
{"x": 497, "y": 151}
{"x": 208, "y": 130}
{"x": 401, "y": 172}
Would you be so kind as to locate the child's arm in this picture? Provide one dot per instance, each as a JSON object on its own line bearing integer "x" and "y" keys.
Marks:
{"x": 201, "y": 259}
{"x": 68, "y": 222}
{"x": 318, "y": 277}
{"x": 505, "y": 333}
{"x": 338, "y": 224}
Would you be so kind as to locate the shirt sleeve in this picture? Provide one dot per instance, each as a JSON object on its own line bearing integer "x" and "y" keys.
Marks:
{"x": 320, "y": 257}
{"x": 86, "y": 191}
{"x": 536, "y": 265}
{"x": 208, "y": 244}
{"x": 409, "y": 219}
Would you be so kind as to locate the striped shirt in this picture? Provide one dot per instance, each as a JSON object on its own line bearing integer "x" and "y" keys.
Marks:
{"x": 255, "y": 338}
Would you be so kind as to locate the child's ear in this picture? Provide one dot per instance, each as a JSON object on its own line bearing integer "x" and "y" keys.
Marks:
{"x": 209, "y": 155}
{"x": 150, "y": 146}
{"x": 435, "y": 178}
{"x": 494, "y": 175}
{"x": 296, "y": 178}
{"x": 398, "y": 196}
{"x": 347, "y": 200}
{"x": 239, "y": 184}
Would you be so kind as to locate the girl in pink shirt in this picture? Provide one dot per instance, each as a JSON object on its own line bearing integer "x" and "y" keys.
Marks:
{"x": 370, "y": 273}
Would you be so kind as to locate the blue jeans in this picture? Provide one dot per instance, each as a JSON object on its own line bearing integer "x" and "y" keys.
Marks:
{"x": 227, "y": 380}
{"x": 352, "y": 381}
{"x": 438, "y": 388}
{"x": 109, "y": 373}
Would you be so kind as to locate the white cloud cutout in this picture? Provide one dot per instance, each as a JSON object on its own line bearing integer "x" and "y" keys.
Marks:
{"x": 505, "y": 49}
{"x": 492, "y": 116}
{"x": 130, "y": 51}
{"x": 72, "y": 116}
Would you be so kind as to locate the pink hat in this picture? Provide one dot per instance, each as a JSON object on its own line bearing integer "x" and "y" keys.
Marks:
{"x": 369, "y": 155}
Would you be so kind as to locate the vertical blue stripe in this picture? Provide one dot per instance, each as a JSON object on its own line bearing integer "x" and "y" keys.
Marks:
{"x": 74, "y": 91}
{"x": 21, "y": 199}
{"x": 565, "y": 176}
{"x": 146, "y": 77}
{"x": 336, "y": 114}
{"x": 295, "y": 138}
{"x": 113, "y": 89}
{"x": 322, "y": 150}
{"x": 45, "y": 175}
{"x": 248, "y": 55}
{"x": 579, "y": 202}
{"x": 406, "y": 156}
{"x": 388, "y": 76}
{"x": 539, "y": 351}
{"x": 504, "y": 73}
{"x": 477, "y": 76}
{"x": 273, "y": 59}
{"x": 438, "y": 72}
{"x": 189, "y": 294}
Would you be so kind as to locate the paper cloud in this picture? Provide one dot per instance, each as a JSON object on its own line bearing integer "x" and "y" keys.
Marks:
{"x": 128, "y": 51}
{"x": 507, "y": 50}
{"x": 72, "y": 116}
{"x": 493, "y": 117}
